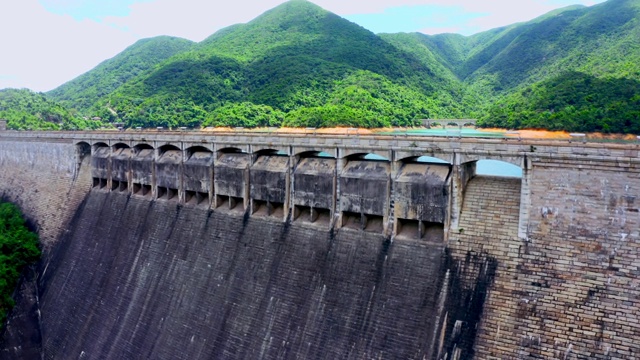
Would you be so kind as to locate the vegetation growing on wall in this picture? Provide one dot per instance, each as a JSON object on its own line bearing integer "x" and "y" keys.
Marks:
{"x": 18, "y": 248}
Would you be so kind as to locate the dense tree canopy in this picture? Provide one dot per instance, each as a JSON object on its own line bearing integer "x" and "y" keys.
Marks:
{"x": 18, "y": 248}
{"x": 26, "y": 110}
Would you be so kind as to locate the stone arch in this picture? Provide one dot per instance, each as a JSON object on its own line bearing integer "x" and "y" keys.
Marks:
{"x": 514, "y": 160}
{"x": 98, "y": 145}
{"x": 314, "y": 154}
{"x": 167, "y": 147}
{"x": 490, "y": 167}
{"x": 494, "y": 167}
{"x": 355, "y": 153}
{"x": 230, "y": 150}
{"x": 142, "y": 146}
{"x": 121, "y": 145}
{"x": 280, "y": 150}
{"x": 197, "y": 149}
{"x": 270, "y": 152}
{"x": 167, "y": 143}
{"x": 425, "y": 159}
{"x": 367, "y": 156}
{"x": 83, "y": 149}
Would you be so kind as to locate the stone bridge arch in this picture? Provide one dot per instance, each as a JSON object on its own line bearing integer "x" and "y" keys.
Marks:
{"x": 425, "y": 159}
{"x": 315, "y": 154}
{"x": 517, "y": 160}
{"x": 271, "y": 150}
{"x": 120, "y": 145}
{"x": 98, "y": 145}
{"x": 83, "y": 151}
{"x": 162, "y": 144}
{"x": 190, "y": 151}
{"x": 349, "y": 154}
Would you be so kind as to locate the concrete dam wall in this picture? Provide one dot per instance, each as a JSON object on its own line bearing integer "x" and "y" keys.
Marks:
{"x": 243, "y": 246}
{"x": 140, "y": 279}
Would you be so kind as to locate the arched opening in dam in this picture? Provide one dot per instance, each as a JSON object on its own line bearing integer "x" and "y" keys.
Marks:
{"x": 421, "y": 198}
{"x": 364, "y": 187}
{"x": 143, "y": 170}
{"x": 169, "y": 173}
{"x": 198, "y": 176}
{"x": 121, "y": 154}
{"x": 269, "y": 184}
{"x": 314, "y": 188}
{"x": 231, "y": 180}
{"x": 100, "y": 153}
{"x": 489, "y": 167}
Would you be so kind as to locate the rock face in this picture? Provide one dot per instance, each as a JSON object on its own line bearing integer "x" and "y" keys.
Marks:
{"x": 139, "y": 279}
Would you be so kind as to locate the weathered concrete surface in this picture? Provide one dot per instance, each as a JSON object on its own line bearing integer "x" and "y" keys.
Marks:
{"x": 100, "y": 164}
{"x": 169, "y": 174}
{"x": 198, "y": 177}
{"x": 364, "y": 187}
{"x": 143, "y": 172}
{"x": 134, "y": 279}
{"x": 198, "y": 171}
{"x": 231, "y": 178}
{"x": 46, "y": 181}
{"x": 314, "y": 184}
{"x": 421, "y": 192}
{"x": 121, "y": 164}
{"x": 268, "y": 178}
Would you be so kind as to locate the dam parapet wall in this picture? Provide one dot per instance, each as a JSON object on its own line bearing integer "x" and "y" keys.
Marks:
{"x": 47, "y": 179}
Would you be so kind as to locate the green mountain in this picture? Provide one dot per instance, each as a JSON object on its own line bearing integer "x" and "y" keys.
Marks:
{"x": 26, "y": 110}
{"x": 85, "y": 90}
{"x": 300, "y": 65}
{"x": 295, "y": 56}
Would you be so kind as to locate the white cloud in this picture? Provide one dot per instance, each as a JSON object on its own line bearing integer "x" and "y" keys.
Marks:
{"x": 41, "y": 50}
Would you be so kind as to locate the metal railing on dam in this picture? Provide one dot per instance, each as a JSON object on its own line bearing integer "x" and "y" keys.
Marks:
{"x": 321, "y": 179}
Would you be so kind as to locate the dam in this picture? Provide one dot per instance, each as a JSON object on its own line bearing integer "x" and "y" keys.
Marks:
{"x": 251, "y": 246}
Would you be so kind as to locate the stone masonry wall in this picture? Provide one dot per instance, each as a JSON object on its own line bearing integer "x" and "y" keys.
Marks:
{"x": 488, "y": 229}
{"x": 45, "y": 180}
{"x": 572, "y": 289}
{"x": 581, "y": 271}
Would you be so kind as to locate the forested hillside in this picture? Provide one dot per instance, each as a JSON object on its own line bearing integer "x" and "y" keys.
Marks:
{"x": 25, "y": 110}
{"x": 297, "y": 65}
{"x": 84, "y": 91}
{"x": 576, "y": 68}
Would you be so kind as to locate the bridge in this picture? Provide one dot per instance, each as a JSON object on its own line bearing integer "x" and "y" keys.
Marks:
{"x": 326, "y": 180}
{"x": 428, "y": 123}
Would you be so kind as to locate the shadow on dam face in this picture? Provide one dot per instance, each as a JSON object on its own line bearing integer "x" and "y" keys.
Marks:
{"x": 134, "y": 279}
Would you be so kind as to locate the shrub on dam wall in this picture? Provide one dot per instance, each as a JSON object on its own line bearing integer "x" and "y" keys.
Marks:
{"x": 18, "y": 247}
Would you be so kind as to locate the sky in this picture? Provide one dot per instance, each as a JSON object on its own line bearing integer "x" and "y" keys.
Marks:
{"x": 45, "y": 43}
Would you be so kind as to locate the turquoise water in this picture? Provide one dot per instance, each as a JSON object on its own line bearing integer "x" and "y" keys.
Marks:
{"x": 452, "y": 132}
